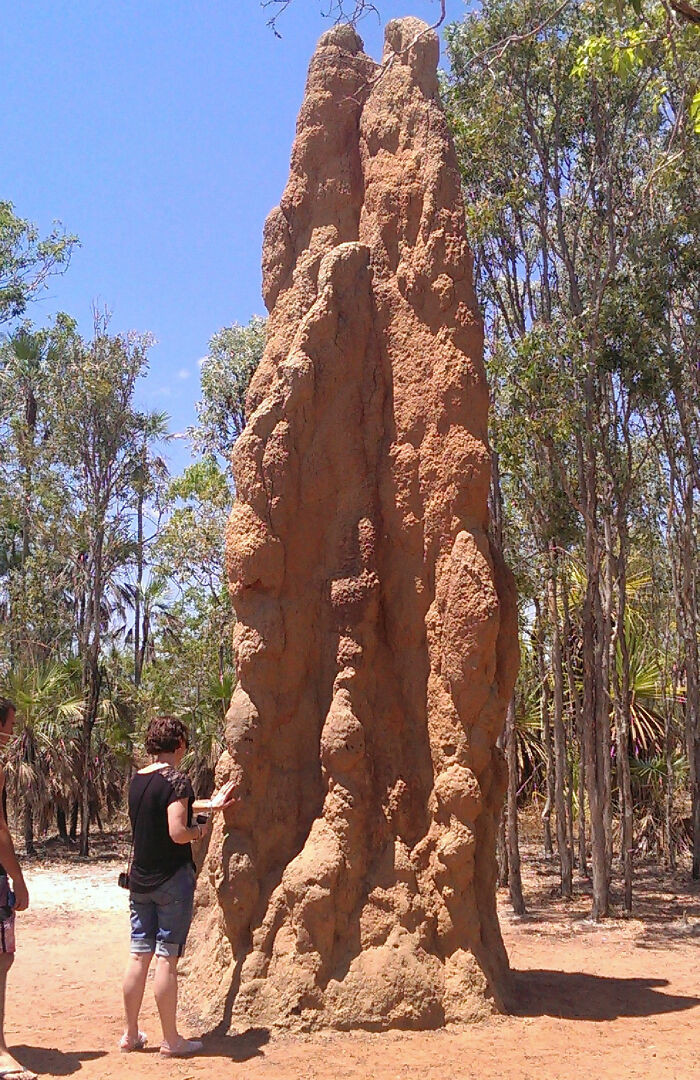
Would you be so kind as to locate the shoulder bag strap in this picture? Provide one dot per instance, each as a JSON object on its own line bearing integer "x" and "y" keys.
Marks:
{"x": 136, "y": 818}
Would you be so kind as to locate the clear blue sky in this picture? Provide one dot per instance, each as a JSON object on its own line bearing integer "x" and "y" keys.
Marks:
{"x": 160, "y": 132}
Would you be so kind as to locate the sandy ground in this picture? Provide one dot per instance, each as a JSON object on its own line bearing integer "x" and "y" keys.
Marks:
{"x": 618, "y": 1000}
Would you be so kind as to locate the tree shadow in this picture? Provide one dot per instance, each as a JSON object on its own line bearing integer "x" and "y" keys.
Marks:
{"x": 47, "y": 1059}
{"x": 576, "y": 995}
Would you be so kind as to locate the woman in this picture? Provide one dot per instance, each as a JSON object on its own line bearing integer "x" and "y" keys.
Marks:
{"x": 162, "y": 880}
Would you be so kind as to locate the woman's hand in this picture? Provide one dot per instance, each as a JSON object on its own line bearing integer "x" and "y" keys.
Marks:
{"x": 220, "y": 800}
{"x": 224, "y": 797}
{"x": 21, "y": 894}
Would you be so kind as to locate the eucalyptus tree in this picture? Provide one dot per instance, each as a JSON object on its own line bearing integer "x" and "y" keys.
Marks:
{"x": 192, "y": 638}
{"x": 100, "y": 436}
{"x": 192, "y": 665}
{"x": 658, "y": 318}
{"x": 231, "y": 361}
{"x": 35, "y": 567}
{"x": 21, "y": 374}
{"x": 561, "y": 149}
{"x": 149, "y": 481}
{"x": 27, "y": 261}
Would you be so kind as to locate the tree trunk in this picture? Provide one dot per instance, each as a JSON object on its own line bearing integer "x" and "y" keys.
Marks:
{"x": 91, "y": 675}
{"x": 502, "y": 851}
{"x": 85, "y": 791}
{"x": 571, "y": 742}
{"x": 546, "y": 735}
{"x": 578, "y": 727}
{"x": 669, "y": 740}
{"x": 503, "y": 855}
{"x": 92, "y": 700}
{"x": 515, "y": 884}
{"x": 138, "y": 654}
{"x": 622, "y": 683}
{"x": 669, "y": 845}
{"x": 605, "y": 620}
{"x": 73, "y": 832}
{"x": 61, "y": 824}
{"x": 692, "y": 705}
{"x": 591, "y": 751}
{"x": 28, "y": 828}
{"x": 560, "y": 770}
{"x": 501, "y": 838}
{"x": 593, "y": 708}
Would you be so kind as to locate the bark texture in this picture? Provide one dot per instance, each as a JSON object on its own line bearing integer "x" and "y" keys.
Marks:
{"x": 376, "y": 646}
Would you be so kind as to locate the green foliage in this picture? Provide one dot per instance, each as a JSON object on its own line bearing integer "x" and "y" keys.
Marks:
{"x": 26, "y": 261}
{"x": 695, "y": 112}
{"x": 190, "y": 548}
{"x": 234, "y": 354}
{"x": 599, "y": 54}
{"x": 45, "y": 759}
{"x": 580, "y": 173}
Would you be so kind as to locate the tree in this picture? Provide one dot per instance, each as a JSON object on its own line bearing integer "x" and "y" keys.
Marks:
{"x": 149, "y": 481}
{"x": 191, "y": 672}
{"x": 192, "y": 669}
{"x": 35, "y": 559}
{"x": 234, "y": 354}
{"x": 38, "y": 764}
{"x": 341, "y": 11}
{"x": 26, "y": 261}
{"x": 100, "y": 435}
{"x": 563, "y": 136}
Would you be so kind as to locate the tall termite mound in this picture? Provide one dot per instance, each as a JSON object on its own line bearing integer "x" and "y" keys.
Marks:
{"x": 353, "y": 884}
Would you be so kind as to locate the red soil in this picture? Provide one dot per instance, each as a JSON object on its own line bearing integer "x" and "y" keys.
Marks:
{"x": 621, "y": 999}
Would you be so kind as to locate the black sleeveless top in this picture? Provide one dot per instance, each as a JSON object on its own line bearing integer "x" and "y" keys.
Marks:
{"x": 156, "y": 857}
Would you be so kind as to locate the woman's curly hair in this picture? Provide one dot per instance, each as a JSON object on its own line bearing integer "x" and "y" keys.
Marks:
{"x": 164, "y": 734}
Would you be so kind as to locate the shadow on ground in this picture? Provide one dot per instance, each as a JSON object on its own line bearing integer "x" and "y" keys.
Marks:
{"x": 576, "y": 995}
{"x": 47, "y": 1059}
{"x": 236, "y": 1047}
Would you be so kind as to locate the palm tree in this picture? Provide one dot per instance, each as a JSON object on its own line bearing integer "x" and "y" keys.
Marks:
{"x": 206, "y": 723}
{"x": 38, "y": 769}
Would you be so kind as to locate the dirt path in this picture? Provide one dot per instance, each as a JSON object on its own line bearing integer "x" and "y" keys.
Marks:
{"x": 620, "y": 1000}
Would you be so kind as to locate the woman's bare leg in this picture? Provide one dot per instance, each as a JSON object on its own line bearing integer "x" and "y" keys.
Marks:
{"x": 133, "y": 988}
{"x": 165, "y": 990}
{"x": 7, "y": 1062}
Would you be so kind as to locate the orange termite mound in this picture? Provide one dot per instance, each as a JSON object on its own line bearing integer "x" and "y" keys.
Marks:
{"x": 376, "y": 646}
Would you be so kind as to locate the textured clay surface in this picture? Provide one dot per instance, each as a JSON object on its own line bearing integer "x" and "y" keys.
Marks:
{"x": 353, "y": 885}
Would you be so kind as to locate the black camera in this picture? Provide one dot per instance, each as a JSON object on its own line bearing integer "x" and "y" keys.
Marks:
{"x": 123, "y": 880}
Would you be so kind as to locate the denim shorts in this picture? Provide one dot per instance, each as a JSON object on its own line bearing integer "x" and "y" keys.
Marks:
{"x": 7, "y": 926}
{"x": 160, "y": 919}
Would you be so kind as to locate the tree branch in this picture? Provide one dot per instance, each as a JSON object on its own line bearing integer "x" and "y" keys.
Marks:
{"x": 686, "y": 10}
{"x": 340, "y": 10}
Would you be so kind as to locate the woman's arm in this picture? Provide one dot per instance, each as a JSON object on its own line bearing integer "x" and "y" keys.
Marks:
{"x": 8, "y": 857}
{"x": 180, "y": 831}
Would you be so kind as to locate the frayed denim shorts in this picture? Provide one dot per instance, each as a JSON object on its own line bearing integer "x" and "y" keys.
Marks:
{"x": 160, "y": 919}
{"x": 7, "y": 925}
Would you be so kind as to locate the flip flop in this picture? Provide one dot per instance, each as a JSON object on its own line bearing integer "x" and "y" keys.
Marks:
{"x": 18, "y": 1074}
{"x": 126, "y": 1045}
{"x": 188, "y": 1047}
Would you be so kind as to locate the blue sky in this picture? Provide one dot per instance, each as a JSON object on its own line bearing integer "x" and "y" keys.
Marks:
{"x": 160, "y": 132}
